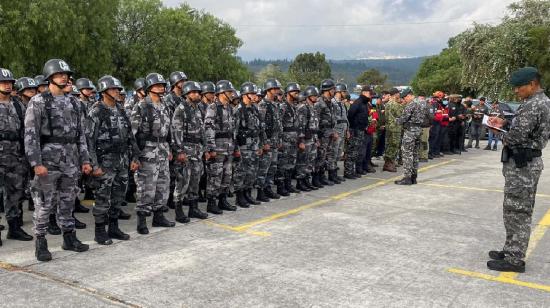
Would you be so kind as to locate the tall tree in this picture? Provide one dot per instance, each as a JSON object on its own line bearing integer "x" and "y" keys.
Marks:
{"x": 440, "y": 72}
{"x": 372, "y": 77}
{"x": 271, "y": 71}
{"x": 309, "y": 69}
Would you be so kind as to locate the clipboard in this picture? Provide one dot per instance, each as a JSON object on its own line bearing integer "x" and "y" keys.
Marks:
{"x": 485, "y": 122}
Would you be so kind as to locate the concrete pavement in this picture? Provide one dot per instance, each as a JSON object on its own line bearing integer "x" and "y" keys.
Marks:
{"x": 364, "y": 243}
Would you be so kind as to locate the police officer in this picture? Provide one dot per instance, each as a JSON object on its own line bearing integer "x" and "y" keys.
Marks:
{"x": 358, "y": 117}
{"x": 522, "y": 165}
{"x": 290, "y": 145}
{"x": 341, "y": 127}
{"x": 250, "y": 137}
{"x": 139, "y": 88}
{"x": 55, "y": 144}
{"x": 86, "y": 90}
{"x": 151, "y": 127}
{"x": 111, "y": 145}
{"x": 13, "y": 169}
{"x": 220, "y": 144}
{"x": 271, "y": 118}
{"x": 208, "y": 90}
{"x": 308, "y": 130}
{"x": 42, "y": 83}
{"x": 26, "y": 89}
{"x": 412, "y": 120}
{"x": 326, "y": 158}
{"x": 189, "y": 145}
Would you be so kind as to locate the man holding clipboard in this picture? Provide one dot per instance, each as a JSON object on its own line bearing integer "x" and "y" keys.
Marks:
{"x": 522, "y": 165}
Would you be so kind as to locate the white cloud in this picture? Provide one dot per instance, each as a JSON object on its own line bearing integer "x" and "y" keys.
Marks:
{"x": 273, "y": 29}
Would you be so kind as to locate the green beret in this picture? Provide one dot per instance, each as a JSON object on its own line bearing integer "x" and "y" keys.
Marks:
{"x": 406, "y": 92}
{"x": 523, "y": 76}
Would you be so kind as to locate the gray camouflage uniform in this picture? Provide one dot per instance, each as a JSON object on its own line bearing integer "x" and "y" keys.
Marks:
{"x": 411, "y": 119}
{"x": 151, "y": 126}
{"x": 250, "y": 137}
{"x": 270, "y": 116}
{"x": 308, "y": 122}
{"x": 327, "y": 123}
{"x": 289, "y": 137}
{"x": 341, "y": 127}
{"x": 56, "y": 140}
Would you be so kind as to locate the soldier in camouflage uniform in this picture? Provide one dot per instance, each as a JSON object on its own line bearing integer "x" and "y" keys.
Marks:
{"x": 342, "y": 128}
{"x": 220, "y": 144}
{"x": 308, "y": 130}
{"x": 55, "y": 144}
{"x": 111, "y": 146}
{"x": 151, "y": 127}
{"x": 250, "y": 137}
{"x": 412, "y": 120}
{"x": 270, "y": 116}
{"x": 172, "y": 100}
{"x": 393, "y": 111}
{"x": 13, "y": 168}
{"x": 326, "y": 157}
{"x": 129, "y": 105}
{"x": 208, "y": 90}
{"x": 289, "y": 151}
{"x": 522, "y": 165}
{"x": 42, "y": 83}
{"x": 189, "y": 144}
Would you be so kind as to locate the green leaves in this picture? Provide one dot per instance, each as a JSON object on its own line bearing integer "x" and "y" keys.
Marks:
{"x": 309, "y": 69}
{"x": 123, "y": 38}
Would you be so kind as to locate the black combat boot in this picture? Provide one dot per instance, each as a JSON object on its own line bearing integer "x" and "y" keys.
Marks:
{"x": 241, "y": 200}
{"x": 315, "y": 180}
{"x": 323, "y": 179}
{"x": 79, "y": 208}
{"x": 123, "y": 215}
{"x": 300, "y": 185}
{"x": 281, "y": 189}
{"x": 171, "y": 203}
{"x": 212, "y": 207}
{"x": 41, "y": 249}
{"x": 288, "y": 183}
{"x": 142, "y": 223}
{"x": 160, "y": 221}
{"x": 333, "y": 177}
{"x": 505, "y": 266}
{"x": 414, "y": 176}
{"x": 101, "y": 236}
{"x": 115, "y": 232}
{"x": 309, "y": 184}
{"x": 404, "y": 181}
{"x": 249, "y": 198}
{"x": 194, "y": 211}
{"x": 497, "y": 254}
{"x": 70, "y": 242}
{"x": 53, "y": 228}
{"x": 270, "y": 193}
{"x": 260, "y": 195}
{"x": 180, "y": 215}
{"x": 16, "y": 233}
{"x": 224, "y": 204}
{"x": 78, "y": 224}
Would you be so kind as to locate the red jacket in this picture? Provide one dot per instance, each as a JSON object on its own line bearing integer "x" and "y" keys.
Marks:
{"x": 372, "y": 126}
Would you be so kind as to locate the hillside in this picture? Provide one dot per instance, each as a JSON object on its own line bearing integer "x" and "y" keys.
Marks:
{"x": 399, "y": 71}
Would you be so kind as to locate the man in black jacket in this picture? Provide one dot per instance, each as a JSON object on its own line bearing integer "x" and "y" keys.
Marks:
{"x": 358, "y": 117}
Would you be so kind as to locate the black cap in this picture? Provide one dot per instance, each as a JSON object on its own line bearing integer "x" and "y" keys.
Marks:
{"x": 523, "y": 76}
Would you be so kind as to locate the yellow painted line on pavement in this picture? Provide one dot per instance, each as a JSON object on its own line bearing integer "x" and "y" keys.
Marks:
{"x": 501, "y": 279}
{"x": 230, "y": 228}
{"x": 337, "y": 197}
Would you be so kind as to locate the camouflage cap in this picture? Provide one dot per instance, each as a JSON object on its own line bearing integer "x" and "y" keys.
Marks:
{"x": 523, "y": 76}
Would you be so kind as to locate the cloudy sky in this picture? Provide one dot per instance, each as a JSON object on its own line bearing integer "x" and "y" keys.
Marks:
{"x": 348, "y": 29}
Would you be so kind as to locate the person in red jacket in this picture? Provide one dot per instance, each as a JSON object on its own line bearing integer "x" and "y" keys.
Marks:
{"x": 368, "y": 166}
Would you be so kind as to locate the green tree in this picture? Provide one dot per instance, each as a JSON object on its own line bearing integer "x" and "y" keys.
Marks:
{"x": 309, "y": 69}
{"x": 271, "y": 71}
{"x": 372, "y": 77}
{"x": 440, "y": 72}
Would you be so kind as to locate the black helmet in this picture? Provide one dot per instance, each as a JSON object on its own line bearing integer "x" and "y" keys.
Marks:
{"x": 40, "y": 80}
{"x": 208, "y": 87}
{"x": 260, "y": 92}
{"x": 301, "y": 97}
{"x": 25, "y": 83}
{"x": 223, "y": 86}
{"x": 190, "y": 86}
{"x": 291, "y": 87}
{"x": 74, "y": 90}
{"x": 153, "y": 79}
{"x": 6, "y": 75}
{"x": 108, "y": 82}
{"x": 177, "y": 76}
{"x": 272, "y": 84}
{"x": 311, "y": 91}
{"x": 327, "y": 84}
{"x": 54, "y": 66}
{"x": 84, "y": 83}
{"x": 341, "y": 87}
{"x": 139, "y": 84}
{"x": 249, "y": 88}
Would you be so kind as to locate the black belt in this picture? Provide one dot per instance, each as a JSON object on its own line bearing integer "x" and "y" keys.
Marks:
{"x": 290, "y": 129}
{"x": 341, "y": 121}
{"x": 191, "y": 139}
{"x": 10, "y": 136}
{"x": 224, "y": 135}
{"x": 55, "y": 139}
